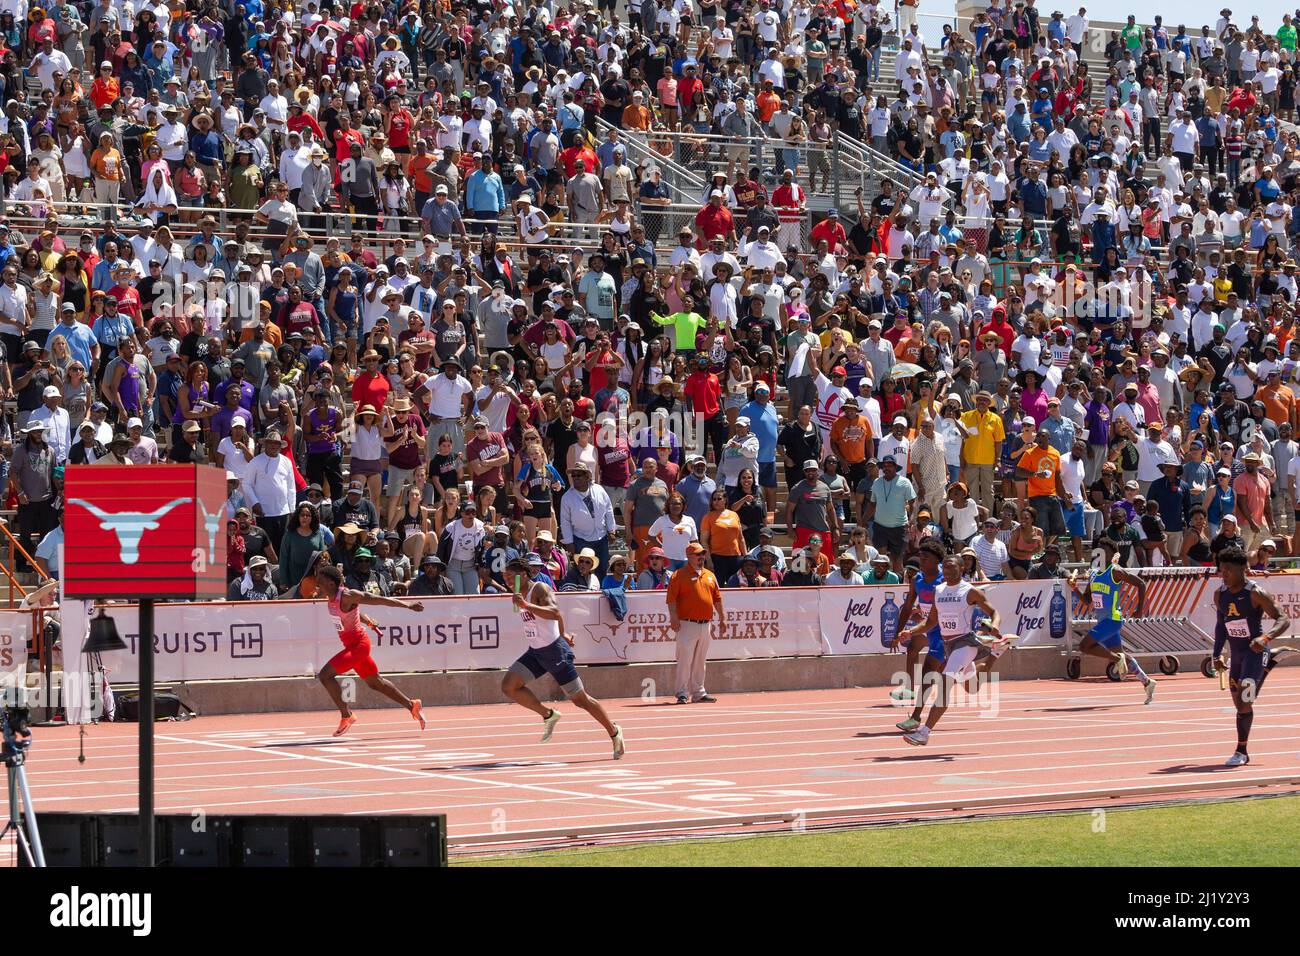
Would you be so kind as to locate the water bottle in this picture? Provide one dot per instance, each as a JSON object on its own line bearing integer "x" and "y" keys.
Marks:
{"x": 1056, "y": 613}
{"x": 888, "y": 620}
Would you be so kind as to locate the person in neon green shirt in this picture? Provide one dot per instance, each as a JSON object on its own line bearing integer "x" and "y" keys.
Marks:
{"x": 685, "y": 323}
{"x": 1286, "y": 33}
{"x": 1131, "y": 34}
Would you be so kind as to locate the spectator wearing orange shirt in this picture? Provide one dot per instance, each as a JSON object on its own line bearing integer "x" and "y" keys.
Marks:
{"x": 636, "y": 115}
{"x": 766, "y": 103}
{"x": 106, "y": 88}
{"x": 693, "y": 597}
{"x": 1040, "y": 467}
{"x": 1279, "y": 401}
{"x": 106, "y": 163}
{"x": 849, "y": 436}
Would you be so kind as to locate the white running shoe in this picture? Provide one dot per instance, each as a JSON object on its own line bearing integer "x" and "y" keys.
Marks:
{"x": 620, "y": 748}
{"x": 908, "y": 725}
{"x": 902, "y": 693}
{"x": 1151, "y": 691}
{"x": 548, "y": 724}
{"x": 1238, "y": 759}
{"x": 1122, "y": 664}
{"x": 919, "y": 737}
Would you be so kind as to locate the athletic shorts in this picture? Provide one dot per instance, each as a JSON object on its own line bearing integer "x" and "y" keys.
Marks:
{"x": 767, "y": 474}
{"x": 960, "y": 661}
{"x": 1247, "y": 665}
{"x": 1106, "y": 633}
{"x": 1022, "y": 563}
{"x": 555, "y": 659}
{"x": 937, "y": 650}
{"x": 355, "y": 656}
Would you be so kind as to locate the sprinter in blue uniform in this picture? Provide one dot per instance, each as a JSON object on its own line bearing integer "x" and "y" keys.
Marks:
{"x": 1103, "y": 593}
{"x": 967, "y": 625}
{"x": 1242, "y": 607}
{"x": 919, "y": 600}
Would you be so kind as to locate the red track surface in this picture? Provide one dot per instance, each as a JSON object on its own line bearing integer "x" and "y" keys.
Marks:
{"x": 749, "y": 758}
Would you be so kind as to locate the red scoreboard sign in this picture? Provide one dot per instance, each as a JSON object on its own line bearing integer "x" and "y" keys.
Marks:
{"x": 144, "y": 531}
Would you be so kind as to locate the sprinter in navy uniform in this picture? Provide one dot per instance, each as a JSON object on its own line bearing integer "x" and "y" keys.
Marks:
{"x": 1242, "y": 607}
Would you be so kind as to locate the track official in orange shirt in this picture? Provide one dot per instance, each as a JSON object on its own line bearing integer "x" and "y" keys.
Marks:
{"x": 693, "y": 596}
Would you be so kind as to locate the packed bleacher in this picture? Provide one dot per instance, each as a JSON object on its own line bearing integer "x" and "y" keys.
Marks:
{"x": 445, "y": 284}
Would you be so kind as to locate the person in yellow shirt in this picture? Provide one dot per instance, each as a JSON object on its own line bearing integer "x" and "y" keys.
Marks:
{"x": 1222, "y": 286}
{"x": 1040, "y": 468}
{"x": 979, "y": 450}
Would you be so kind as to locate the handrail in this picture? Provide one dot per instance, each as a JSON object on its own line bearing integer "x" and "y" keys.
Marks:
{"x": 15, "y": 546}
{"x": 675, "y": 176}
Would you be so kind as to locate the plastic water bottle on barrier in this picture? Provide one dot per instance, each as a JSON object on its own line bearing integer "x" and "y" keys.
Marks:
{"x": 889, "y": 621}
{"x": 1056, "y": 613}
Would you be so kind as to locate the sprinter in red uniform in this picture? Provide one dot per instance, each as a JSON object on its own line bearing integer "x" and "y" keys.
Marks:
{"x": 345, "y": 607}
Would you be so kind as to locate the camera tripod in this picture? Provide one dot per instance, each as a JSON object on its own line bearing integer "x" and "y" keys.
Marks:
{"x": 16, "y": 740}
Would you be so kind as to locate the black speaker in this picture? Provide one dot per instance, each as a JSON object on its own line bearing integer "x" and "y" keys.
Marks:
{"x": 182, "y": 840}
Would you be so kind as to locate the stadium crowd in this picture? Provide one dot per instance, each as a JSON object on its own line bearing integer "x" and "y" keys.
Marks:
{"x": 1077, "y": 320}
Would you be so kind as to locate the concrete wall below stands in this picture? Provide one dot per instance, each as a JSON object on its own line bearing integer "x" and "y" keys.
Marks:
{"x": 623, "y": 680}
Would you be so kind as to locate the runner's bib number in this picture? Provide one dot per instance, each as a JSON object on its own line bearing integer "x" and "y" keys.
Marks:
{"x": 1238, "y": 628}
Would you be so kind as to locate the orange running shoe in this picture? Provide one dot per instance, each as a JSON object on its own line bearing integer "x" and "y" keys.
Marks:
{"x": 345, "y": 723}
{"x": 417, "y": 711}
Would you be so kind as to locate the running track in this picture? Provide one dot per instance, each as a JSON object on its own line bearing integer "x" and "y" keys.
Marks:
{"x": 750, "y": 759}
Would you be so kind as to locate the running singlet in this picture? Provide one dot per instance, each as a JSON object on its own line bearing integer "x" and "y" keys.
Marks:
{"x": 1105, "y": 596}
{"x": 348, "y": 622}
{"x": 1239, "y": 619}
{"x": 925, "y": 598}
{"x": 956, "y": 613}
{"x": 539, "y": 632}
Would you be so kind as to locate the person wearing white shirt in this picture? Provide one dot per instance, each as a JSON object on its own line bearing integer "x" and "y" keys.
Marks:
{"x": 1184, "y": 139}
{"x": 172, "y": 137}
{"x": 586, "y": 516}
{"x": 762, "y": 253}
{"x": 449, "y": 397}
{"x": 907, "y": 58}
{"x": 270, "y": 487}
{"x": 1129, "y": 409}
{"x": 1076, "y": 27}
{"x": 48, "y": 62}
{"x": 294, "y": 162}
{"x": 58, "y": 426}
{"x": 768, "y": 24}
{"x": 236, "y": 450}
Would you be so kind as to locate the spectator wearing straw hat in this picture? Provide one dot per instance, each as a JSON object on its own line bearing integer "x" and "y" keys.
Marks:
{"x": 270, "y": 485}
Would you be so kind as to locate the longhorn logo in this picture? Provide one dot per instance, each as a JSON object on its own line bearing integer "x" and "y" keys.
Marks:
{"x": 129, "y": 526}
{"x": 211, "y": 523}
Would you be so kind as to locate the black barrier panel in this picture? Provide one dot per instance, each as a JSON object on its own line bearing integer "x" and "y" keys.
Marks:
{"x": 265, "y": 841}
{"x": 118, "y": 842}
{"x": 103, "y": 839}
{"x": 418, "y": 841}
{"x": 195, "y": 842}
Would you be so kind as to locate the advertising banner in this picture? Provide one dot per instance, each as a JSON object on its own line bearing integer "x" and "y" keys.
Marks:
{"x": 214, "y": 641}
